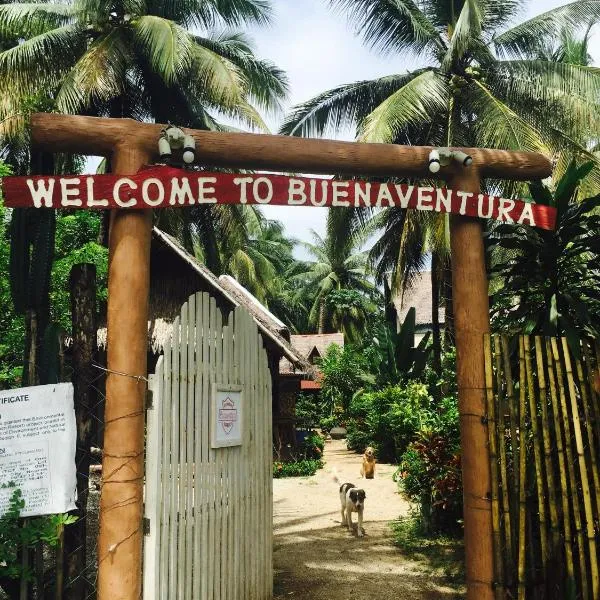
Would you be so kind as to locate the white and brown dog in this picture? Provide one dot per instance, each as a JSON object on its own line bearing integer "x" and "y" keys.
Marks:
{"x": 352, "y": 500}
{"x": 367, "y": 469}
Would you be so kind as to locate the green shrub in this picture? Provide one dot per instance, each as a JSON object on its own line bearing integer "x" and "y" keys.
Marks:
{"x": 308, "y": 410}
{"x": 345, "y": 371}
{"x": 312, "y": 447}
{"x": 430, "y": 476}
{"x": 326, "y": 424}
{"x": 389, "y": 420}
{"x": 16, "y": 533}
{"x": 299, "y": 468}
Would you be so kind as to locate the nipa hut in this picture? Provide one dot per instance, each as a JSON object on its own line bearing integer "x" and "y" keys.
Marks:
{"x": 174, "y": 276}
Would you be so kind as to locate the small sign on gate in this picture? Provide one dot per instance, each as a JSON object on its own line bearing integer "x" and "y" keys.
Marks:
{"x": 226, "y": 416}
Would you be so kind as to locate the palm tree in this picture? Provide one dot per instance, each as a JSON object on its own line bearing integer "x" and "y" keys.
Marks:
{"x": 338, "y": 265}
{"x": 146, "y": 60}
{"x": 482, "y": 84}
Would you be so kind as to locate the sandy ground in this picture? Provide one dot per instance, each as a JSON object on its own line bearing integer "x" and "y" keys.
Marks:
{"x": 315, "y": 558}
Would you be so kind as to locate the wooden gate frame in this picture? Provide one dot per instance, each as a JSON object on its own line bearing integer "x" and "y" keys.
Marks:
{"x": 131, "y": 145}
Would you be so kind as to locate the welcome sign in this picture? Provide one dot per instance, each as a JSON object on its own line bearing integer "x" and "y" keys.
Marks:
{"x": 167, "y": 187}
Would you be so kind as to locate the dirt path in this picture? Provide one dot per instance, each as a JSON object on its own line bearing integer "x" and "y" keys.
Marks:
{"x": 316, "y": 559}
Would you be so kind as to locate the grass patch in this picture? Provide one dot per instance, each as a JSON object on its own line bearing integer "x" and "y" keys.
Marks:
{"x": 441, "y": 554}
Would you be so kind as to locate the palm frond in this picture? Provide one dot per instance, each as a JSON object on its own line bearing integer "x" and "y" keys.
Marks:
{"x": 213, "y": 79}
{"x": 525, "y": 37}
{"x": 28, "y": 20}
{"x": 393, "y": 26}
{"x": 572, "y": 91}
{"x": 342, "y": 106}
{"x": 41, "y": 61}
{"x": 265, "y": 83}
{"x": 465, "y": 32}
{"x": 203, "y": 14}
{"x": 167, "y": 46}
{"x": 417, "y": 102}
{"x": 498, "y": 126}
{"x": 99, "y": 76}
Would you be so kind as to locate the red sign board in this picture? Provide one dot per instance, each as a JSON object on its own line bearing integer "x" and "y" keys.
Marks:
{"x": 167, "y": 187}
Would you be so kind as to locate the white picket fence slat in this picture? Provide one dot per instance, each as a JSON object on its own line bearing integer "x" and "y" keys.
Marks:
{"x": 209, "y": 509}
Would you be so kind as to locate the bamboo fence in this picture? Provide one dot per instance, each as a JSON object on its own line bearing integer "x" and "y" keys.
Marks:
{"x": 543, "y": 414}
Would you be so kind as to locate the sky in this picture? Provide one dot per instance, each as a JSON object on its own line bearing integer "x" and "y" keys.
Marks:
{"x": 317, "y": 48}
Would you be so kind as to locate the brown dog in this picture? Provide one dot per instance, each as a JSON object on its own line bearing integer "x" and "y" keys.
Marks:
{"x": 367, "y": 469}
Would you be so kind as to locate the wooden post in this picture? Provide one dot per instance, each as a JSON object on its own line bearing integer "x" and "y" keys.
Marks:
{"x": 471, "y": 318}
{"x": 132, "y": 144}
{"x": 120, "y": 538}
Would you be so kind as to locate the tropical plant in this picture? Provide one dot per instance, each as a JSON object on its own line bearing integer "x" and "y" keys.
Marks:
{"x": 351, "y": 312}
{"x": 12, "y": 331}
{"x": 482, "y": 83}
{"x": 139, "y": 59}
{"x": 548, "y": 282}
{"x": 399, "y": 358}
{"x": 430, "y": 476}
{"x": 297, "y": 468}
{"x": 388, "y": 419}
{"x": 255, "y": 251}
{"x": 338, "y": 265}
{"x": 345, "y": 370}
{"x": 17, "y": 534}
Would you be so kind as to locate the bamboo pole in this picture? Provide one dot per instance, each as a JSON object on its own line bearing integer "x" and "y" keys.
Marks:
{"x": 537, "y": 443}
{"x": 567, "y": 475}
{"x": 471, "y": 306}
{"x": 593, "y": 376}
{"x": 491, "y": 423}
{"x": 586, "y": 401}
{"x": 513, "y": 415}
{"x": 552, "y": 505}
{"x": 583, "y": 475}
{"x": 503, "y": 461}
{"x": 522, "y": 472}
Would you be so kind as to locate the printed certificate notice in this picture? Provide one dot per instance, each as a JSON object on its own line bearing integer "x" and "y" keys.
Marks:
{"x": 37, "y": 448}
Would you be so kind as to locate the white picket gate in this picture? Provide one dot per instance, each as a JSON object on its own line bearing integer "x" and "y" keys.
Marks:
{"x": 208, "y": 511}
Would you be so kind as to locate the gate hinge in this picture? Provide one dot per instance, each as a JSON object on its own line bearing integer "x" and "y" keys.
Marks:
{"x": 146, "y": 526}
{"x": 149, "y": 400}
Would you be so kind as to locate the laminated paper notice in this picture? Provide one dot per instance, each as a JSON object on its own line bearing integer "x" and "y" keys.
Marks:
{"x": 37, "y": 448}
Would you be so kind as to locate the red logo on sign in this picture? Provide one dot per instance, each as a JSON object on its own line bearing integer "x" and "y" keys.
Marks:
{"x": 228, "y": 415}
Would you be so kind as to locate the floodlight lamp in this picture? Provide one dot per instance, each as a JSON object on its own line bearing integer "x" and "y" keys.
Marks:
{"x": 189, "y": 149}
{"x": 175, "y": 136}
{"x": 462, "y": 157}
{"x": 164, "y": 148}
{"x": 434, "y": 161}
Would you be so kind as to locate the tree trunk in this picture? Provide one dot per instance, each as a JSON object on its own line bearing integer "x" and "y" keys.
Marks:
{"x": 83, "y": 310}
{"x": 449, "y": 335}
{"x": 322, "y": 315}
{"x": 435, "y": 314}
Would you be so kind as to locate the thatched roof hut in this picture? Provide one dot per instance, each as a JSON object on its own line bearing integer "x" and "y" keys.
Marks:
{"x": 175, "y": 275}
{"x": 311, "y": 347}
{"x": 419, "y": 295}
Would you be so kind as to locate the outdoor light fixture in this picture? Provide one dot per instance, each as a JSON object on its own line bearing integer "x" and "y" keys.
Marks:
{"x": 189, "y": 149}
{"x": 441, "y": 157}
{"x": 434, "y": 161}
{"x": 464, "y": 159}
{"x": 173, "y": 138}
